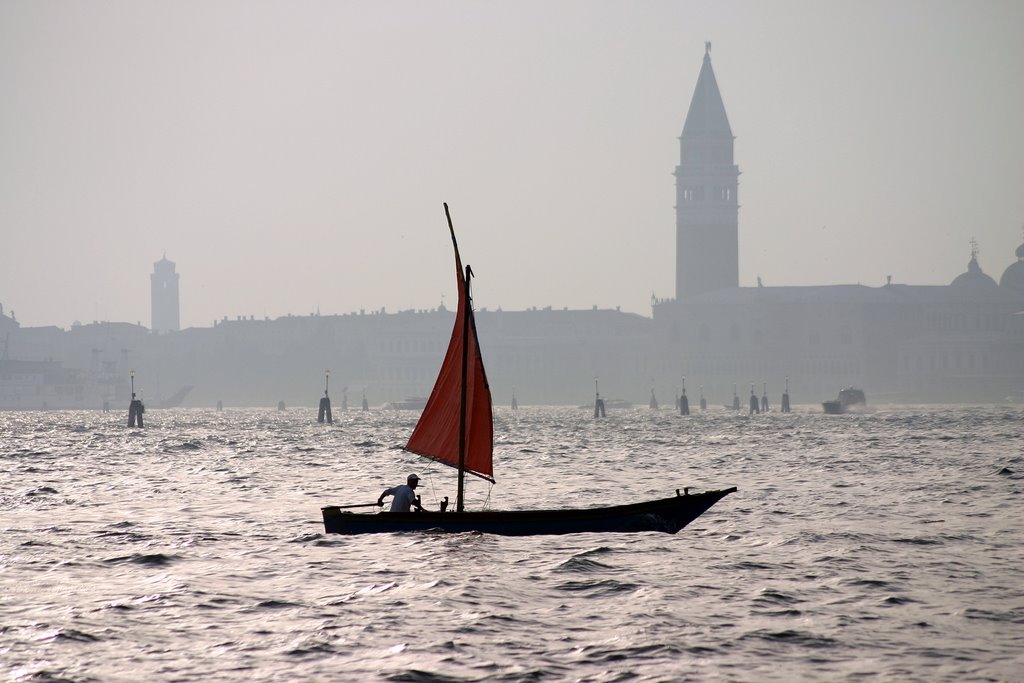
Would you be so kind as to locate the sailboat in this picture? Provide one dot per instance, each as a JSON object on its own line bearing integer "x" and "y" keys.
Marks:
{"x": 456, "y": 428}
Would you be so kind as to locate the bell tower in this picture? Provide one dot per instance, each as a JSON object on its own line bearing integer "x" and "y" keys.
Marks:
{"x": 707, "y": 180}
{"x": 163, "y": 283}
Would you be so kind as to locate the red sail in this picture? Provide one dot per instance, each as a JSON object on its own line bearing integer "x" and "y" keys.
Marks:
{"x": 437, "y": 433}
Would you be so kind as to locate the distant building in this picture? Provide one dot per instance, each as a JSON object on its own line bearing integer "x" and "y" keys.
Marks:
{"x": 8, "y": 323}
{"x": 961, "y": 342}
{"x": 164, "y": 291}
{"x": 964, "y": 341}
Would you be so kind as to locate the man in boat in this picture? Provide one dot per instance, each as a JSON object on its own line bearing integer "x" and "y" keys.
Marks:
{"x": 404, "y": 495}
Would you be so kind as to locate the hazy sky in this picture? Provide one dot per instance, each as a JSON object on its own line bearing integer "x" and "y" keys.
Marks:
{"x": 294, "y": 156}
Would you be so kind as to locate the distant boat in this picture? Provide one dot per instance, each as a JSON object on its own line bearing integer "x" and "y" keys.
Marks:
{"x": 617, "y": 404}
{"x": 848, "y": 399}
{"x": 456, "y": 428}
{"x": 611, "y": 404}
{"x": 410, "y": 403}
{"x": 175, "y": 400}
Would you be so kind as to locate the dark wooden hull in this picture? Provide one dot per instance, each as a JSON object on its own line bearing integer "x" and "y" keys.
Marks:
{"x": 668, "y": 515}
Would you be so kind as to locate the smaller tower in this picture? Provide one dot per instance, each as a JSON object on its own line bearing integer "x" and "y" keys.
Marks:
{"x": 164, "y": 297}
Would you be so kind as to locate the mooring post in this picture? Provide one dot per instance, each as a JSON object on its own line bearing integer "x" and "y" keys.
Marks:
{"x": 755, "y": 406}
{"x": 135, "y": 407}
{"x": 366, "y": 406}
{"x": 703, "y": 401}
{"x": 764, "y": 399}
{"x": 131, "y": 402}
{"x": 684, "y": 403}
{"x": 325, "y": 402}
{"x": 598, "y": 401}
{"x": 785, "y": 398}
{"x": 515, "y": 403}
{"x": 735, "y": 398}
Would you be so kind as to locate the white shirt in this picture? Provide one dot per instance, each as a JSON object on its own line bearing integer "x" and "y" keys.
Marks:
{"x": 404, "y": 497}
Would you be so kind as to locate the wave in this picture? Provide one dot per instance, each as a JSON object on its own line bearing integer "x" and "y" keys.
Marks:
{"x": 147, "y": 560}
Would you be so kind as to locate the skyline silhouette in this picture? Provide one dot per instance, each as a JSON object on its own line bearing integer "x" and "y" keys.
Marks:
{"x": 291, "y": 160}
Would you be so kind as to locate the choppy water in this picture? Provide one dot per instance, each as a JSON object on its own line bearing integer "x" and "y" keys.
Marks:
{"x": 883, "y": 546}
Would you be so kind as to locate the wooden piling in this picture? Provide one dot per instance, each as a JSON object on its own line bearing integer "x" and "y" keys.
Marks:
{"x": 135, "y": 407}
{"x": 325, "y": 402}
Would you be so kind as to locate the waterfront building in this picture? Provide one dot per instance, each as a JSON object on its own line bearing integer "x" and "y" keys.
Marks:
{"x": 961, "y": 342}
{"x": 901, "y": 342}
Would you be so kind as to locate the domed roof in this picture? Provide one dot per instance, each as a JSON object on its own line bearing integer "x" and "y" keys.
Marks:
{"x": 1013, "y": 276}
{"x": 974, "y": 277}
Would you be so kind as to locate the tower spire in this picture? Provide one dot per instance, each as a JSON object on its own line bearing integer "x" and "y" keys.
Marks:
{"x": 707, "y": 180}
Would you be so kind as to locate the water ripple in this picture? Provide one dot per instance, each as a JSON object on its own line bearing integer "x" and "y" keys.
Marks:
{"x": 879, "y": 547}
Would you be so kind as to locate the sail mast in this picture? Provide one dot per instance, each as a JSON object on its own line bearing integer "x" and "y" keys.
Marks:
{"x": 459, "y": 504}
{"x": 456, "y": 426}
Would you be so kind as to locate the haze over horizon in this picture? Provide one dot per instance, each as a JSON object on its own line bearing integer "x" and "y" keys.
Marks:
{"x": 291, "y": 158}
